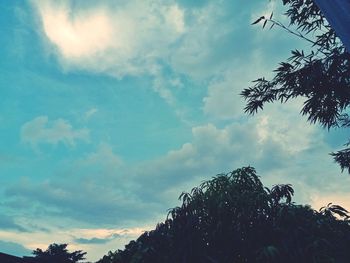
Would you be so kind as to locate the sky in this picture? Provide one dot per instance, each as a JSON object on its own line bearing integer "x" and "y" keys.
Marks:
{"x": 110, "y": 109}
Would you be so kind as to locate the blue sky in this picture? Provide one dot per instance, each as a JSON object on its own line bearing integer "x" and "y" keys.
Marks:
{"x": 110, "y": 109}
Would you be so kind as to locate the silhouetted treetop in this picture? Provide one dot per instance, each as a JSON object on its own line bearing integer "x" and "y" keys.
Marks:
{"x": 234, "y": 218}
{"x": 58, "y": 253}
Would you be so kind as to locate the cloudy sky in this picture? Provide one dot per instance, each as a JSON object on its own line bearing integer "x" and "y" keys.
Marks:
{"x": 110, "y": 109}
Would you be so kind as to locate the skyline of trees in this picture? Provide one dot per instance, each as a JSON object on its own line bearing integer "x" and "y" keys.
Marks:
{"x": 234, "y": 218}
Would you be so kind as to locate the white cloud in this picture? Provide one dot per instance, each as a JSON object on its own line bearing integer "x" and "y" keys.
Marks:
{"x": 125, "y": 38}
{"x": 196, "y": 56}
{"x": 41, "y": 131}
{"x": 149, "y": 37}
{"x": 121, "y": 39}
{"x": 103, "y": 157}
{"x": 223, "y": 101}
{"x": 175, "y": 16}
{"x": 90, "y": 113}
{"x": 284, "y": 125}
{"x": 76, "y": 37}
{"x": 161, "y": 85}
{"x": 214, "y": 149}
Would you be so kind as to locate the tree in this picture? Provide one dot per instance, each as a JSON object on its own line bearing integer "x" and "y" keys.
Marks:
{"x": 58, "y": 253}
{"x": 234, "y": 218}
{"x": 321, "y": 75}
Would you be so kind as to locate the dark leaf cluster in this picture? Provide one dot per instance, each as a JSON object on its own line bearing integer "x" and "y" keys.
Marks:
{"x": 320, "y": 76}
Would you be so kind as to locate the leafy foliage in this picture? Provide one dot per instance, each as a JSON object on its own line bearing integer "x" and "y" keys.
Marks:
{"x": 321, "y": 76}
{"x": 234, "y": 218}
{"x": 58, "y": 253}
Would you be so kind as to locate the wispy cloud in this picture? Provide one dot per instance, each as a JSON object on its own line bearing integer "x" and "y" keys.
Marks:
{"x": 8, "y": 223}
{"x": 96, "y": 240}
{"x": 42, "y": 131}
{"x": 103, "y": 157}
{"x": 90, "y": 113}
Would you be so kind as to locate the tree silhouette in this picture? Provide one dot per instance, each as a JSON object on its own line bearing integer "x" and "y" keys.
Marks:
{"x": 57, "y": 253}
{"x": 234, "y": 218}
{"x": 321, "y": 75}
